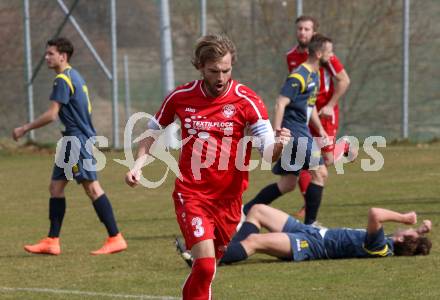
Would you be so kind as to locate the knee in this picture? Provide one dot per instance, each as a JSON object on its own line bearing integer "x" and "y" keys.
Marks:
{"x": 253, "y": 243}
{"x": 93, "y": 194}
{"x": 94, "y": 191}
{"x": 56, "y": 191}
{"x": 252, "y": 239}
{"x": 324, "y": 174}
{"x": 204, "y": 267}
{"x": 329, "y": 160}
{"x": 320, "y": 176}
{"x": 286, "y": 186}
{"x": 255, "y": 211}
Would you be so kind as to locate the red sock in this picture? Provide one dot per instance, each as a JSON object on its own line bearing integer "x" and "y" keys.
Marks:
{"x": 198, "y": 284}
{"x": 304, "y": 180}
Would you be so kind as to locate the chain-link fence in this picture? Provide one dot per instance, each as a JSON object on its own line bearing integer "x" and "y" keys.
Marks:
{"x": 367, "y": 37}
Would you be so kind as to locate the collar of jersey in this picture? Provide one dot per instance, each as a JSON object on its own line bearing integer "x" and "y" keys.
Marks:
{"x": 307, "y": 67}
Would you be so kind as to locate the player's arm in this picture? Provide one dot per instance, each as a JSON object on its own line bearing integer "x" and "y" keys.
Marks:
{"x": 270, "y": 149}
{"x": 280, "y": 106}
{"x": 133, "y": 176}
{"x": 293, "y": 86}
{"x": 283, "y": 134}
{"x": 162, "y": 119}
{"x": 45, "y": 118}
{"x": 62, "y": 89}
{"x": 342, "y": 82}
{"x": 378, "y": 216}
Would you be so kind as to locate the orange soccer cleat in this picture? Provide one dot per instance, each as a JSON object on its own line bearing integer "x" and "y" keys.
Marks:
{"x": 45, "y": 246}
{"x": 113, "y": 244}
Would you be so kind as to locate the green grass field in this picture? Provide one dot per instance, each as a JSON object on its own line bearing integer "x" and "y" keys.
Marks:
{"x": 409, "y": 181}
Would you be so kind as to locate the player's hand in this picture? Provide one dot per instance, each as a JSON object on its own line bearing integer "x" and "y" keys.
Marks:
{"x": 327, "y": 112}
{"x": 283, "y": 135}
{"x": 18, "y": 133}
{"x": 323, "y": 139}
{"x": 425, "y": 227}
{"x": 410, "y": 218}
{"x": 132, "y": 177}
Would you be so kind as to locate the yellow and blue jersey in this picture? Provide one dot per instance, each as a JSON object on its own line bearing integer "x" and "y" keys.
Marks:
{"x": 70, "y": 90}
{"x": 301, "y": 87}
{"x": 310, "y": 243}
{"x": 348, "y": 243}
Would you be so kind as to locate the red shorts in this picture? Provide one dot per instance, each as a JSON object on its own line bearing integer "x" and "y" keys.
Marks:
{"x": 202, "y": 219}
{"x": 331, "y": 127}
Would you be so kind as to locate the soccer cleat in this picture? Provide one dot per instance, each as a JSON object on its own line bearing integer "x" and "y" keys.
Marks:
{"x": 45, "y": 246}
{"x": 185, "y": 254}
{"x": 113, "y": 244}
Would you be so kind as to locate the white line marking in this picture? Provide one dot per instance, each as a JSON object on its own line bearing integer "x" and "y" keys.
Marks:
{"x": 84, "y": 293}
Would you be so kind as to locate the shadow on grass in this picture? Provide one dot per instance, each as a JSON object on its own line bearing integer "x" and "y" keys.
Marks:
{"x": 23, "y": 254}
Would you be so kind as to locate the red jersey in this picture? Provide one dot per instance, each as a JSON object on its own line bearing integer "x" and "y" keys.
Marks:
{"x": 295, "y": 58}
{"x": 211, "y": 132}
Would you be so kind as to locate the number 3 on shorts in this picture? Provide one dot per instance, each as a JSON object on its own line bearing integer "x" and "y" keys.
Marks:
{"x": 197, "y": 223}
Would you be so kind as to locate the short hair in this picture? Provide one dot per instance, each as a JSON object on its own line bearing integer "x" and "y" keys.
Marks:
{"x": 63, "y": 45}
{"x": 213, "y": 48}
{"x": 412, "y": 246}
{"x": 317, "y": 43}
{"x": 308, "y": 18}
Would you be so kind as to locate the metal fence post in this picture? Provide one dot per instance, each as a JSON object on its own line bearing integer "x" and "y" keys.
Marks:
{"x": 115, "y": 91}
{"x": 28, "y": 66}
{"x": 127, "y": 89}
{"x": 405, "y": 99}
{"x": 299, "y": 8}
{"x": 202, "y": 17}
{"x": 167, "y": 50}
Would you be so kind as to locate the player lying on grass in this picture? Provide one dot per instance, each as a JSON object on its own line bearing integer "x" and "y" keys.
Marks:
{"x": 289, "y": 239}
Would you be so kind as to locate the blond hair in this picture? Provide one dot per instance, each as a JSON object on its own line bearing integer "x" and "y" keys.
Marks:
{"x": 212, "y": 48}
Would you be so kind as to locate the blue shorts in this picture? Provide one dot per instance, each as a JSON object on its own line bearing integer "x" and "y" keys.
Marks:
{"x": 306, "y": 241}
{"x": 293, "y": 225}
{"x": 83, "y": 169}
{"x": 305, "y": 154}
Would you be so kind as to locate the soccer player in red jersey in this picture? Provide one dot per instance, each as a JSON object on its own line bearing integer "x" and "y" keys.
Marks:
{"x": 334, "y": 82}
{"x": 215, "y": 113}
